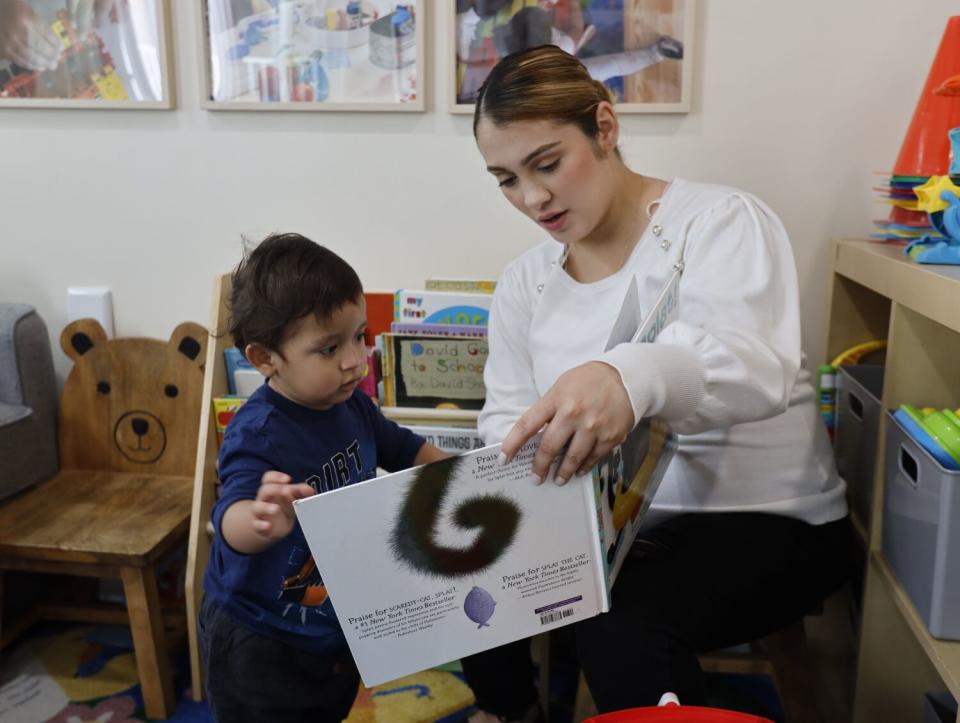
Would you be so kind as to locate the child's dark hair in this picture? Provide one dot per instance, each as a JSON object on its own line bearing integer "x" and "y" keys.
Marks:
{"x": 285, "y": 278}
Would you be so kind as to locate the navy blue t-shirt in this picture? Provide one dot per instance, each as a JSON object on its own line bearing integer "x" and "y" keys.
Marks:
{"x": 279, "y": 592}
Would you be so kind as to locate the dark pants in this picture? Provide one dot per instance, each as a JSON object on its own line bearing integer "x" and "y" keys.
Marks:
{"x": 694, "y": 583}
{"x": 251, "y": 677}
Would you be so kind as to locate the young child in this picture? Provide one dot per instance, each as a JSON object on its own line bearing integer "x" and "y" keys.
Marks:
{"x": 272, "y": 647}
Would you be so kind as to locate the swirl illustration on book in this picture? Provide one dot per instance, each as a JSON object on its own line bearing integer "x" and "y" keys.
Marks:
{"x": 413, "y": 538}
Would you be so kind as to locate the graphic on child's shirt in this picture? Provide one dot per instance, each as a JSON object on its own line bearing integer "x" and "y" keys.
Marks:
{"x": 302, "y": 588}
{"x": 335, "y": 473}
{"x": 303, "y": 592}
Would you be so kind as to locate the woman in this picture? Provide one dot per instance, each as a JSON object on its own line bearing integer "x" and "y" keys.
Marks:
{"x": 748, "y": 530}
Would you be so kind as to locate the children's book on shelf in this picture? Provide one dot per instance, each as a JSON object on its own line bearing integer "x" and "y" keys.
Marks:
{"x": 379, "y": 314}
{"x": 223, "y": 410}
{"x": 479, "y": 332}
{"x": 371, "y": 373}
{"x": 450, "y": 439}
{"x": 432, "y": 372}
{"x": 242, "y": 377}
{"x": 445, "y": 417}
{"x": 419, "y": 306}
{"x": 470, "y": 286}
{"x": 466, "y": 554}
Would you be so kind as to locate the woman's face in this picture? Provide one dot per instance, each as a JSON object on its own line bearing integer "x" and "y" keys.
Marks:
{"x": 552, "y": 173}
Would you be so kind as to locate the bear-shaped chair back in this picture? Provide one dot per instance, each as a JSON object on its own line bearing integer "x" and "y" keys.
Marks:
{"x": 131, "y": 405}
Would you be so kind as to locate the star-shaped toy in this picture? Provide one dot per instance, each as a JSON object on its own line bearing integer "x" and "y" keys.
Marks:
{"x": 929, "y": 193}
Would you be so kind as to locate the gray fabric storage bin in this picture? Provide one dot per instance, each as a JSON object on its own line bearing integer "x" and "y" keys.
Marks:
{"x": 859, "y": 388}
{"x": 921, "y": 529}
{"x": 939, "y": 708}
{"x": 28, "y": 400}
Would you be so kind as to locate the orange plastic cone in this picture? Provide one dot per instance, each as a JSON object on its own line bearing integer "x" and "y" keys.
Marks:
{"x": 926, "y": 148}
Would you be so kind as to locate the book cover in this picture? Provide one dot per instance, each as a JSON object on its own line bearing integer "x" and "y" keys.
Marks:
{"x": 379, "y": 314}
{"x": 439, "y": 329}
{"x": 371, "y": 374}
{"x": 441, "y": 307}
{"x": 464, "y": 554}
{"x": 242, "y": 377}
{"x": 450, "y": 439}
{"x": 472, "y": 286}
{"x": 223, "y": 410}
{"x": 432, "y": 372}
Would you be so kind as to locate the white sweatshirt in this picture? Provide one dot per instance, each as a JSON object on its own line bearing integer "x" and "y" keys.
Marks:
{"x": 728, "y": 374}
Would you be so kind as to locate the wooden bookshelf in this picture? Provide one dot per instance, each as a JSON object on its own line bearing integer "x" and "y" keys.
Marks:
{"x": 877, "y": 293}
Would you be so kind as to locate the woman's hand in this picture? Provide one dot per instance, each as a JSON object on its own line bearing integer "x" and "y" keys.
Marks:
{"x": 586, "y": 413}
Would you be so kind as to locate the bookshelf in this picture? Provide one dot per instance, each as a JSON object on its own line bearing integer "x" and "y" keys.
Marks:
{"x": 875, "y": 293}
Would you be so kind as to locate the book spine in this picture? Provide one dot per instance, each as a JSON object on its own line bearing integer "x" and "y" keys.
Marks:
{"x": 470, "y": 286}
{"x": 601, "y": 579}
{"x": 438, "y": 329}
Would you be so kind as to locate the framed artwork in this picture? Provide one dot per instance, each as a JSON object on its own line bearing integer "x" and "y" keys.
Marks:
{"x": 85, "y": 54}
{"x": 640, "y": 49}
{"x": 313, "y": 55}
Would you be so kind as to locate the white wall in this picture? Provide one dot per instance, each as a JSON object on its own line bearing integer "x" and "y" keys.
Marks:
{"x": 799, "y": 102}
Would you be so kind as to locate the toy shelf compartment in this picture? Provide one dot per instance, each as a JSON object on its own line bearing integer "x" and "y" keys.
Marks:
{"x": 876, "y": 293}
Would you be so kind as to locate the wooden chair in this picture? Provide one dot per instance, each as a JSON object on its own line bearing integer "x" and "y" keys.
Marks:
{"x": 205, "y": 473}
{"x": 121, "y": 502}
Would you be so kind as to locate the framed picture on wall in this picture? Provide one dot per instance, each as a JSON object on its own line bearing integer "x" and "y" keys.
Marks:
{"x": 85, "y": 54}
{"x": 641, "y": 49}
{"x": 313, "y": 55}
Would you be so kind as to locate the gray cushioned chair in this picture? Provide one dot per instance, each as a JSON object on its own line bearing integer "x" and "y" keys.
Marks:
{"x": 28, "y": 400}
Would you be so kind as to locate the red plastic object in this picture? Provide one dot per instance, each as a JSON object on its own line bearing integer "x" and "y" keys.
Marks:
{"x": 909, "y": 218}
{"x": 676, "y": 714}
{"x": 926, "y": 147}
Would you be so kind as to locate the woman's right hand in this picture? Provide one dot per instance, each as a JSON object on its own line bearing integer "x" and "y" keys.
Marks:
{"x": 584, "y": 415}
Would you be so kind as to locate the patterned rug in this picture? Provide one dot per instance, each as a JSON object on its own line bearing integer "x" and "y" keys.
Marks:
{"x": 87, "y": 674}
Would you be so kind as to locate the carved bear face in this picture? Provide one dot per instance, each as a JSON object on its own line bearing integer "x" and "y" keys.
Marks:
{"x": 131, "y": 405}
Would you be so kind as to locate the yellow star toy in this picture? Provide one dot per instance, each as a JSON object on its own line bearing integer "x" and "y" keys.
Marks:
{"x": 929, "y": 193}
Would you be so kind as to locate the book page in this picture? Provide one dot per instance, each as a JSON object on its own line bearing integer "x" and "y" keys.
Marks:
{"x": 444, "y": 560}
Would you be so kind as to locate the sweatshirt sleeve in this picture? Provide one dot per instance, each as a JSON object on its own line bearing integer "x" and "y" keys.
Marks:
{"x": 734, "y": 353}
{"x": 508, "y": 374}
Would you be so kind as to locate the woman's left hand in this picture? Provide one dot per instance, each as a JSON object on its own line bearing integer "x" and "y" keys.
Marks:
{"x": 585, "y": 414}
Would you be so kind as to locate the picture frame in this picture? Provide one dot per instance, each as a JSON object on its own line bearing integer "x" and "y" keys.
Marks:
{"x": 655, "y": 38}
{"x": 104, "y": 54}
{"x": 313, "y": 55}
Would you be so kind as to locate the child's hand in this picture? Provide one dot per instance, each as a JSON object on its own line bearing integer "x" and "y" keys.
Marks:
{"x": 273, "y": 515}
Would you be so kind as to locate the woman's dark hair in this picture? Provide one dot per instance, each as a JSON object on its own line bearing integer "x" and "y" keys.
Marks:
{"x": 541, "y": 83}
{"x": 285, "y": 278}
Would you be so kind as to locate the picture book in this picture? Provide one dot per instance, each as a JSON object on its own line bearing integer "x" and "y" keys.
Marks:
{"x": 450, "y": 439}
{"x": 242, "y": 377}
{"x": 441, "y": 307}
{"x": 223, "y": 410}
{"x": 466, "y": 554}
{"x": 432, "y": 371}
{"x": 473, "y": 286}
{"x": 439, "y": 329}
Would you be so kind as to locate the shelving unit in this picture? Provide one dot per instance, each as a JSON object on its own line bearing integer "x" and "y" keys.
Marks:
{"x": 877, "y": 293}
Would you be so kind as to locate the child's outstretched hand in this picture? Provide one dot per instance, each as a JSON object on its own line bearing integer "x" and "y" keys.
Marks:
{"x": 272, "y": 510}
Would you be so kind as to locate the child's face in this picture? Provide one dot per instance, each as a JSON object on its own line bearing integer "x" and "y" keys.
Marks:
{"x": 323, "y": 361}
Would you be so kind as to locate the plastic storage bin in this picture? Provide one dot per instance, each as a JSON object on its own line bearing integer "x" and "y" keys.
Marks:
{"x": 921, "y": 529}
{"x": 859, "y": 388}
